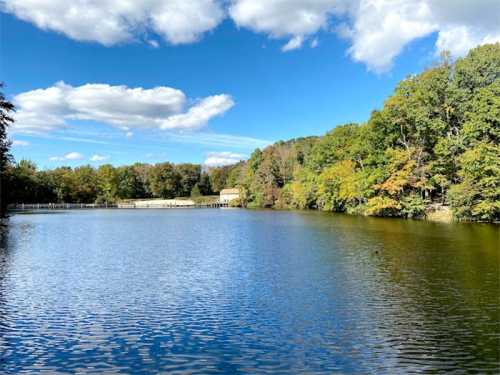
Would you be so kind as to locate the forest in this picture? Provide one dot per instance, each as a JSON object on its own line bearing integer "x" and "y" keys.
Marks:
{"x": 86, "y": 184}
{"x": 434, "y": 143}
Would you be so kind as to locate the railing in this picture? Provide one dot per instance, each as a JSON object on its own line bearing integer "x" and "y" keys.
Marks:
{"x": 72, "y": 206}
{"x": 170, "y": 205}
{"x": 59, "y": 206}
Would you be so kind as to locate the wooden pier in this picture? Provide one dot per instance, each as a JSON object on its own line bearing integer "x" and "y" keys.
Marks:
{"x": 196, "y": 205}
{"x": 172, "y": 203}
{"x": 59, "y": 206}
{"x": 125, "y": 205}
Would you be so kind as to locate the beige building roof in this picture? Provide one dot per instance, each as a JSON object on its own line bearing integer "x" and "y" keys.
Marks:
{"x": 230, "y": 191}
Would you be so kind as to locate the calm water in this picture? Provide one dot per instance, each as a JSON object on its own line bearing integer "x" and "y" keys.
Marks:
{"x": 234, "y": 291}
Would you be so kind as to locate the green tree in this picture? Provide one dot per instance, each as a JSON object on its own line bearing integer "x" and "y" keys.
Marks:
{"x": 482, "y": 121}
{"x": 6, "y": 108}
{"x": 63, "y": 184}
{"x": 85, "y": 185}
{"x": 142, "y": 171}
{"x": 335, "y": 146}
{"x": 478, "y": 195}
{"x": 218, "y": 177}
{"x": 340, "y": 187}
{"x": 204, "y": 184}
{"x": 480, "y": 68}
{"x": 189, "y": 176}
{"x": 163, "y": 180}
{"x": 23, "y": 184}
{"x": 129, "y": 184}
{"x": 302, "y": 190}
{"x": 195, "y": 191}
{"x": 107, "y": 183}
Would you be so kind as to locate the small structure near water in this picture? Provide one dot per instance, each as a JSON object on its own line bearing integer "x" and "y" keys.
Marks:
{"x": 228, "y": 195}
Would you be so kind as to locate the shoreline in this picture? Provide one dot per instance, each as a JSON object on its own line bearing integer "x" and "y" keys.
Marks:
{"x": 433, "y": 215}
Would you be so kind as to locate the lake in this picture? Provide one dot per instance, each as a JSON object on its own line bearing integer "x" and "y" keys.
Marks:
{"x": 242, "y": 291}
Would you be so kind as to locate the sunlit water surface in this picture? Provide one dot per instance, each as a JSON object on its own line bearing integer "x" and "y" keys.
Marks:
{"x": 235, "y": 291}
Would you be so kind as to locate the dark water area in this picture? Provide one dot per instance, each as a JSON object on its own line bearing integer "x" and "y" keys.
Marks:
{"x": 239, "y": 291}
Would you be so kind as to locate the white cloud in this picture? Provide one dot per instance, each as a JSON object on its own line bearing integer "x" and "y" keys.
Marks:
{"x": 19, "y": 143}
{"x": 382, "y": 28}
{"x": 129, "y": 134}
{"x": 44, "y": 110}
{"x": 109, "y": 22}
{"x": 181, "y": 21}
{"x": 292, "y": 19}
{"x": 294, "y": 43}
{"x": 153, "y": 43}
{"x": 69, "y": 156}
{"x": 73, "y": 156}
{"x": 460, "y": 39}
{"x": 98, "y": 157}
{"x": 377, "y": 29}
{"x": 199, "y": 114}
{"x": 283, "y": 18}
{"x": 215, "y": 159}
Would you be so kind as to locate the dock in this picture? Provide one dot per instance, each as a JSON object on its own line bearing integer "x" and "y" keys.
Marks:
{"x": 171, "y": 203}
{"x": 58, "y": 206}
{"x": 163, "y": 204}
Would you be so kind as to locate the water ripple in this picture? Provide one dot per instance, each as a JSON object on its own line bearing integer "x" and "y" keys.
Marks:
{"x": 232, "y": 291}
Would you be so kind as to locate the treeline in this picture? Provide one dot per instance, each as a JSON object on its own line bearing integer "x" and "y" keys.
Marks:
{"x": 434, "y": 142}
{"x": 106, "y": 183}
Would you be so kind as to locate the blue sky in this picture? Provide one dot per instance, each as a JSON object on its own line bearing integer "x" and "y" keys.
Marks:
{"x": 233, "y": 88}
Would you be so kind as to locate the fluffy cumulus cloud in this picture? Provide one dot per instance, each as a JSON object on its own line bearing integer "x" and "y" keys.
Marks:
{"x": 380, "y": 29}
{"x": 109, "y": 22}
{"x": 294, "y": 19}
{"x": 69, "y": 156}
{"x": 125, "y": 108}
{"x": 465, "y": 24}
{"x": 377, "y": 29}
{"x": 215, "y": 159}
{"x": 199, "y": 114}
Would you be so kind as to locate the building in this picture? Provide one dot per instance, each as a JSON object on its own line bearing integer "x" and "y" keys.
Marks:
{"x": 227, "y": 195}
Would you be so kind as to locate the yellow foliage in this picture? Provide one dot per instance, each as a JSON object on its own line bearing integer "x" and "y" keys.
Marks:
{"x": 382, "y": 206}
{"x": 401, "y": 168}
{"x": 339, "y": 185}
